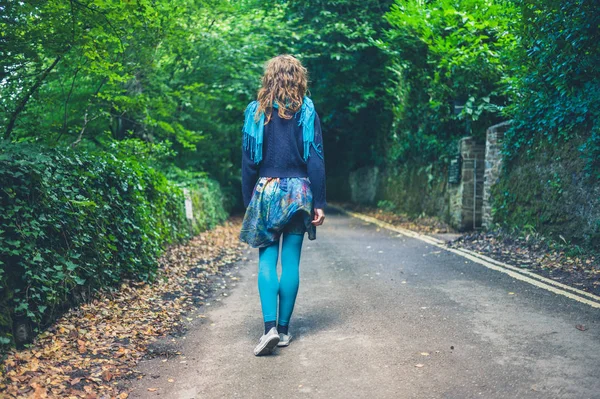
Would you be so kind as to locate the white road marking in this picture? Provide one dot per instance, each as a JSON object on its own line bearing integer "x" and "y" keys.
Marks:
{"x": 516, "y": 273}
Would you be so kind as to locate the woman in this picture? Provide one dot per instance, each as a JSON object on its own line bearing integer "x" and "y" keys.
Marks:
{"x": 283, "y": 187}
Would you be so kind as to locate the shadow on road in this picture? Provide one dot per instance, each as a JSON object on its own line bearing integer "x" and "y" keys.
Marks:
{"x": 315, "y": 321}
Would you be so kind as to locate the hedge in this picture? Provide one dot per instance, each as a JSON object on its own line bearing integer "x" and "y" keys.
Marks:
{"x": 558, "y": 82}
{"x": 72, "y": 222}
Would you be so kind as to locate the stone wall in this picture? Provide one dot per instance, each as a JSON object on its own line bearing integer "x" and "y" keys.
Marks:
{"x": 548, "y": 192}
{"x": 493, "y": 166}
{"x": 415, "y": 189}
{"x": 466, "y": 197}
{"x": 424, "y": 189}
{"x": 363, "y": 185}
{"x": 455, "y": 195}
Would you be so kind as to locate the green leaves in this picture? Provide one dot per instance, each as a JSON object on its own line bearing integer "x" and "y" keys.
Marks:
{"x": 337, "y": 43}
{"x": 558, "y": 80}
{"x": 446, "y": 54}
{"x": 73, "y": 221}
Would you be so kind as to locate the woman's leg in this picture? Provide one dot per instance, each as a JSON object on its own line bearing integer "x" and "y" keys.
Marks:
{"x": 290, "y": 278}
{"x": 268, "y": 286}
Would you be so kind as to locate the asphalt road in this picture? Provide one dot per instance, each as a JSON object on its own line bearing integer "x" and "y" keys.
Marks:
{"x": 381, "y": 315}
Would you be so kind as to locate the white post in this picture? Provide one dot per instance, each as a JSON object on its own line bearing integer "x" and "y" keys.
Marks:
{"x": 189, "y": 212}
{"x": 474, "y": 193}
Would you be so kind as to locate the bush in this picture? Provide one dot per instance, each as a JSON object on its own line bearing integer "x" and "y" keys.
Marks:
{"x": 558, "y": 82}
{"x": 446, "y": 54}
{"x": 209, "y": 204}
{"x": 72, "y": 222}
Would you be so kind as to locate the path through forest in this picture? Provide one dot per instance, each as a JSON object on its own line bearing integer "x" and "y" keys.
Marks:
{"x": 381, "y": 315}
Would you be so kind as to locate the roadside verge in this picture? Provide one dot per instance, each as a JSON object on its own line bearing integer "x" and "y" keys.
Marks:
{"x": 93, "y": 349}
{"x": 519, "y": 274}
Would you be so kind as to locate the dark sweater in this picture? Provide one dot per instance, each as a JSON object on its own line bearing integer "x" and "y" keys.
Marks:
{"x": 283, "y": 151}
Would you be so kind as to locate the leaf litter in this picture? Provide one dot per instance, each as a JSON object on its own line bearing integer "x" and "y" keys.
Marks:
{"x": 93, "y": 349}
{"x": 422, "y": 224}
{"x": 559, "y": 262}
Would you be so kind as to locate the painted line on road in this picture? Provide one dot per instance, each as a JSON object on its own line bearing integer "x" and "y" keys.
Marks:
{"x": 519, "y": 274}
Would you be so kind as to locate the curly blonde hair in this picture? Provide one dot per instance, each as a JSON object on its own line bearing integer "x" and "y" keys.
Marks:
{"x": 285, "y": 81}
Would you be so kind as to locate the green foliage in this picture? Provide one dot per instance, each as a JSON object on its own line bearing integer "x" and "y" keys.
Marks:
{"x": 88, "y": 73}
{"x": 552, "y": 151}
{"x": 386, "y": 205}
{"x": 72, "y": 222}
{"x": 558, "y": 81}
{"x": 79, "y": 59}
{"x": 210, "y": 206}
{"x": 446, "y": 53}
{"x": 337, "y": 42}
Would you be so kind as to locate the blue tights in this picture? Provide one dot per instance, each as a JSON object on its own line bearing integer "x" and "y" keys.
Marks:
{"x": 287, "y": 287}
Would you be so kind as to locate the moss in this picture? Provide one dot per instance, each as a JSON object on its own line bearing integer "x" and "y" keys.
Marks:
{"x": 415, "y": 190}
{"x": 550, "y": 192}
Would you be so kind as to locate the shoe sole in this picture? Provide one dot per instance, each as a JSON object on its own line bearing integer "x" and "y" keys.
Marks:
{"x": 282, "y": 344}
{"x": 268, "y": 347}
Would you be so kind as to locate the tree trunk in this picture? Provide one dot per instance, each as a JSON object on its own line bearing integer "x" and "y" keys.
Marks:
{"x": 21, "y": 105}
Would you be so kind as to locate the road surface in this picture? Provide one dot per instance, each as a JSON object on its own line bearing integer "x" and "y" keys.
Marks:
{"x": 381, "y": 315}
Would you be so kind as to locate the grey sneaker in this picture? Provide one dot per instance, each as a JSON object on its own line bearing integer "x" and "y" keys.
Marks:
{"x": 284, "y": 339}
{"x": 267, "y": 343}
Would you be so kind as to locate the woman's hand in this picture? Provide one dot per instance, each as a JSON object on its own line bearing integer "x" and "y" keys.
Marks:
{"x": 319, "y": 217}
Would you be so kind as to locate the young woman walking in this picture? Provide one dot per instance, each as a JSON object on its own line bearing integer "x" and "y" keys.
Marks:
{"x": 283, "y": 187}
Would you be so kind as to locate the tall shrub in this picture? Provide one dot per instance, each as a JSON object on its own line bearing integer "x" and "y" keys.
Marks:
{"x": 558, "y": 81}
{"x": 73, "y": 222}
{"x": 446, "y": 53}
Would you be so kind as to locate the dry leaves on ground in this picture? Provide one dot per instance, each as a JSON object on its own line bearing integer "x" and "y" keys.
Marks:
{"x": 425, "y": 224}
{"x": 87, "y": 351}
{"x": 536, "y": 254}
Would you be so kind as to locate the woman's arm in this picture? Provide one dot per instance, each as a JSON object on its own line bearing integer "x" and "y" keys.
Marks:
{"x": 249, "y": 176}
{"x": 316, "y": 168}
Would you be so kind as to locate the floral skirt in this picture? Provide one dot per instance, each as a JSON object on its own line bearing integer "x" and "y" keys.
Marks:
{"x": 278, "y": 205}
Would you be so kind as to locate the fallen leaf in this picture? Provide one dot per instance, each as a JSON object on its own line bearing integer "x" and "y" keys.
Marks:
{"x": 106, "y": 375}
{"x": 152, "y": 389}
{"x": 100, "y": 341}
{"x": 81, "y": 346}
{"x": 581, "y": 327}
{"x": 39, "y": 392}
{"x": 419, "y": 365}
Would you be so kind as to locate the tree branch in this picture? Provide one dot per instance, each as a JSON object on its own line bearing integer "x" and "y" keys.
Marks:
{"x": 21, "y": 105}
{"x": 85, "y": 123}
{"x": 106, "y": 19}
{"x": 64, "y": 128}
{"x": 86, "y": 112}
